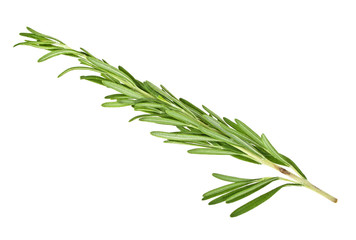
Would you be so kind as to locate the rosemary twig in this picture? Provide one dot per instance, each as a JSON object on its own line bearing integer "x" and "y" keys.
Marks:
{"x": 201, "y": 128}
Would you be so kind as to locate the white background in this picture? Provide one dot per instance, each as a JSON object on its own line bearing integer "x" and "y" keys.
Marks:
{"x": 70, "y": 169}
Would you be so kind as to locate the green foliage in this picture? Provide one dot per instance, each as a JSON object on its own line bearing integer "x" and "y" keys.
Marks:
{"x": 230, "y": 178}
{"x": 259, "y": 200}
{"x": 197, "y": 127}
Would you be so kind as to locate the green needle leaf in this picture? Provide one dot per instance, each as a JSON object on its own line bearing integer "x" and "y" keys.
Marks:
{"x": 149, "y": 105}
{"x": 166, "y": 90}
{"x": 181, "y": 137}
{"x": 216, "y": 135}
{"x": 117, "y": 96}
{"x": 79, "y": 68}
{"x": 224, "y": 189}
{"x": 139, "y": 116}
{"x": 268, "y": 156}
{"x": 37, "y": 45}
{"x": 248, "y": 131}
{"x": 213, "y": 114}
{"x": 34, "y": 36}
{"x": 95, "y": 79}
{"x": 196, "y": 143}
{"x": 115, "y": 104}
{"x": 245, "y": 158}
{"x": 110, "y": 69}
{"x": 293, "y": 165}
{"x": 162, "y": 120}
{"x": 192, "y": 106}
{"x": 43, "y": 35}
{"x": 211, "y": 151}
{"x": 122, "y": 69}
{"x": 259, "y": 200}
{"x": 228, "y": 132}
{"x": 231, "y": 179}
{"x": 248, "y": 191}
{"x": 225, "y": 196}
{"x": 234, "y": 125}
{"x": 271, "y": 149}
{"x": 280, "y": 157}
{"x": 182, "y": 117}
{"x": 158, "y": 91}
{"x": 56, "y": 53}
{"x": 124, "y": 90}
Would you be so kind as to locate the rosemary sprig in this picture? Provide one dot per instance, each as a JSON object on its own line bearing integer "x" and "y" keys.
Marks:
{"x": 201, "y": 128}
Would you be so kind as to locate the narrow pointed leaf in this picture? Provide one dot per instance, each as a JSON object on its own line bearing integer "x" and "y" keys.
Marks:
{"x": 258, "y": 201}
{"x": 115, "y": 104}
{"x": 282, "y": 158}
{"x": 225, "y": 196}
{"x": 86, "y": 52}
{"x": 117, "y": 96}
{"x": 248, "y": 131}
{"x": 248, "y": 191}
{"x": 148, "y": 110}
{"x": 94, "y": 78}
{"x": 224, "y": 189}
{"x": 166, "y": 90}
{"x": 149, "y": 104}
{"x": 183, "y": 129}
{"x": 182, "y": 117}
{"x": 241, "y": 138}
{"x": 270, "y": 157}
{"x": 272, "y": 150}
{"x": 37, "y": 45}
{"x": 210, "y": 151}
{"x": 245, "y": 158}
{"x": 181, "y": 137}
{"x": 231, "y": 179}
{"x": 234, "y": 125}
{"x": 34, "y": 36}
{"x": 234, "y": 137}
{"x": 215, "y": 135}
{"x": 213, "y": 114}
{"x": 139, "y": 116}
{"x": 124, "y": 90}
{"x": 192, "y": 129}
{"x": 56, "y": 53}
{"x": 77, "y": 68}
{"x": 199, "y": 144}
{"x": 161, "y": 120}
{"x": 43, "y": 35}
{"x": 192, "y": 106}
{"x": 166, "y": 94}
{"x": 160, "y": 91}
{"x": 150, "y": 100}
{"x": 293, "y": 165}
{"x": 122, "y": 69}
{"x": 110, "y": 69}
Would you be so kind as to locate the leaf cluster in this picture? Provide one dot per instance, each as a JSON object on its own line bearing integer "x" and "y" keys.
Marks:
{"x": 195, "y": 126}
{"x": 240, "y": 188}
